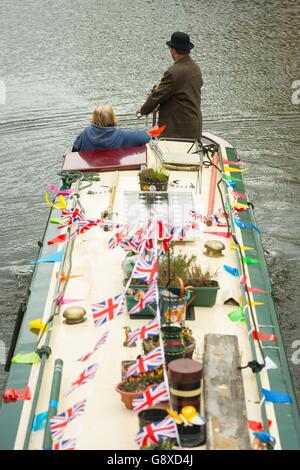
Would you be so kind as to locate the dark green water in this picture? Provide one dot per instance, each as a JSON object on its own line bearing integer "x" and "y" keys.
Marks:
{"x": 59, "y": 59}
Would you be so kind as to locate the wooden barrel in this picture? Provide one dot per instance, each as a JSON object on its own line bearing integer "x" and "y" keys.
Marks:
{"x": 185, "y": 383}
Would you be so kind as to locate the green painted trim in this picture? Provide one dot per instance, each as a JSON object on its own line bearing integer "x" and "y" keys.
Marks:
{"x": 280, "y": 379}
{"x": 10, "y": 413}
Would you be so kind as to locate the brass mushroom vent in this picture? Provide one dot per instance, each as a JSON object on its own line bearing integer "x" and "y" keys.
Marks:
{"x": 214, "y": 248}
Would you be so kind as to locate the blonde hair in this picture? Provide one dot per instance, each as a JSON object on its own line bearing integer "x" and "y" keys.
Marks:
{"x": 104, "y": 116}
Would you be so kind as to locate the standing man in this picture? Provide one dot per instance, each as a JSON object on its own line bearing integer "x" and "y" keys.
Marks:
{"x": 179, "y": 93}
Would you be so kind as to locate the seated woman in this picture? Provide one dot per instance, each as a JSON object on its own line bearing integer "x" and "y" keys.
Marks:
{"x": 103, "y": 134}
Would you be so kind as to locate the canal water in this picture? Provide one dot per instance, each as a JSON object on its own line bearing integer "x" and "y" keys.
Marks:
{"x": 60, "y": 58}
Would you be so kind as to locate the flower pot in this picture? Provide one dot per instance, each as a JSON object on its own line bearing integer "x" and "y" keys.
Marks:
{"x": 149, "y": 345}
{"x": 189, "y": 349}
{"x": 151, "y": 415}
{"x": 154, "y": 185}
{"x": 128, "y": 397}
{"x": 204, "y": 296}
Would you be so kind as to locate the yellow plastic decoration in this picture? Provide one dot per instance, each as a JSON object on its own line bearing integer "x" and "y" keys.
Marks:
{"x": 174, "y": 415}
{"x": 60, "y": 204}
{"x": 255, "y": 303}
{"x": 189, "y": 412}
{"x": 191, "y": 416}
{"x": 36, "y": 326}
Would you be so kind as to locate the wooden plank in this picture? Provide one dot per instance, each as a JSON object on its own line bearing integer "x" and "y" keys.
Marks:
{"x": 224, "y": 398}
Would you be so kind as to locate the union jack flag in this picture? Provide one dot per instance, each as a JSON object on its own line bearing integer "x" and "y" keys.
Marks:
{"x": 118, "y": 236}
{"x": 87, "y": 374}
{"x": 145, "y": 298}
{"x": 108, "y": 309}
{"x": 99, "y": 343}
{"x": 150, "y": 329}
{"x": 151, "y": 433}
{"x": 146, "y": 271}
{"x": 68, "y": 444}
{"x": 114, "y": 241}
{"x": 181, "y": 233}
{"x": 73, "y": 214}
{"x": 59, "y": 422}
{"x": 152, "y": 360}
{"x": 130, "y": 244}
{"x": 165, "y": 245}
{"x": 152, "y": 396}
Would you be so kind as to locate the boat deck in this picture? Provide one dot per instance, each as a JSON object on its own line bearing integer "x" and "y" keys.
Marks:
{"x": 107, "y": 424}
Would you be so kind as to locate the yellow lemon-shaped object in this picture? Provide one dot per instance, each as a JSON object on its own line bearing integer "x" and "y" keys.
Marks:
{"x": 189, "y": 412}
{"x": 191, "y": 416}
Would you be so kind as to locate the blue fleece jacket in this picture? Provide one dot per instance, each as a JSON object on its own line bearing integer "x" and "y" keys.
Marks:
{"x": 100, "y": 138}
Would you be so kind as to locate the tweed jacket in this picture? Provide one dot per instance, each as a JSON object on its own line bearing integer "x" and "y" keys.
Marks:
{"x": 179, "y": 98}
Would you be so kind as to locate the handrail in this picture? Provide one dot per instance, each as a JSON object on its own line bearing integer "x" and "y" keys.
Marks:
{"x": 53, "y": 313}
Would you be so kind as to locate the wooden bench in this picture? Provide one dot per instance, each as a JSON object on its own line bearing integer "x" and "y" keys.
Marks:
{"x": 225, "y": 408}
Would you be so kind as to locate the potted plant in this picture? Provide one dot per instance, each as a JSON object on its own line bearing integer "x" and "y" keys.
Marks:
{"x": 153, "y": 180}
{"x": 189, "y": 342}
{"x": 201, "y": 282}
{"x": 136, "y": 385}
{"x": 150, "y": 343}
{"x": 164, "y": 443}
{"x": 185, "y": 336}
{"x": 174, "y": 265}
{"x": 204, "y": 285}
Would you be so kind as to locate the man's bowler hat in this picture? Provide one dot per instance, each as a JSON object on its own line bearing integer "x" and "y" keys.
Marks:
{"x": 180, "y": 41}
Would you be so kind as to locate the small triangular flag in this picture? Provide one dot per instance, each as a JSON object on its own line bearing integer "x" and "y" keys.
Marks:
{"x": 228, "y": 162}
{"x": 270, "y": 364}
{"x": 231, "y": 270}
{"x": 273, "y": 396}
{"x": 237, "y": 315}
{"x": 234, "y": 170}
{"x": 57, "y": 221}
{"x": 220, "y": 234}
{"x": 231, "y": 178}
{"x": 59, "y": 239}
{"x": 251, "y": 260}
{"x": 27, "y": 358}
{"x": 254, "y": 289}
{"x": 60, "y": 204}
{"x": 40, "y": 421}
{"x": 55, "y": 257}
{"x": 258, "y": 335}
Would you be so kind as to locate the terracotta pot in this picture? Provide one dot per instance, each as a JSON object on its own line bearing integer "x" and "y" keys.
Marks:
{"x": 128, "y": 397}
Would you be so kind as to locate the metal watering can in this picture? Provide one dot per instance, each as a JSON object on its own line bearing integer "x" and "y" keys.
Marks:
{"x": 173, "y": 302}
